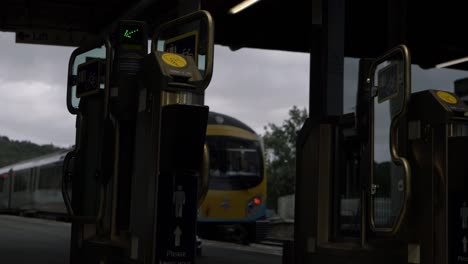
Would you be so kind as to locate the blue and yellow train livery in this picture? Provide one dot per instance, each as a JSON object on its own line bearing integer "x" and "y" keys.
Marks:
{"x": 236, "y": 199}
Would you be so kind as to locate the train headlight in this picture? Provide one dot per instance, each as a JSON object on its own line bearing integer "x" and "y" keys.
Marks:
{"x": 254, "y": 205}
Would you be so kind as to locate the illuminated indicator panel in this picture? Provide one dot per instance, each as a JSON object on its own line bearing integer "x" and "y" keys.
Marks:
{"x": 131, "y": 47}
{"x": 132, "y": 35}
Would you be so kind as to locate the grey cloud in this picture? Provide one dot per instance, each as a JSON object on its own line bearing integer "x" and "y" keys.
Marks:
{"x": 35, "y": 111}
{"x": 33, "y": 88}
{"x": 350, "y": 79}
{"x": 258, "y": 86}
{"x": 32, "y": 62}
{"x": 438, "y": 79}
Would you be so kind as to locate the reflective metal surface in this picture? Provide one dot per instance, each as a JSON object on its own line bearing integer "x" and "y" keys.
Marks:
{"x": 458, "y": 130}
{"x": 169, "y": 98}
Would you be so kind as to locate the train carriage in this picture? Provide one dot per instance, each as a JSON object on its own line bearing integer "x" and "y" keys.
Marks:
{"x": 33, "y": 186}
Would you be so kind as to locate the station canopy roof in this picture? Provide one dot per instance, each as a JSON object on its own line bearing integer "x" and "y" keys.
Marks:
{"x": 435, "y": 31}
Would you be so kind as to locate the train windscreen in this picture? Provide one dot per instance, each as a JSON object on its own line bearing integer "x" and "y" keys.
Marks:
{"x": 234, "y": 163}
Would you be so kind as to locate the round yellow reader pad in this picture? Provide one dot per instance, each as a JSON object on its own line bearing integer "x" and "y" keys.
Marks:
{"x": 447, "y": 97}
{"x": 174, "y": 60}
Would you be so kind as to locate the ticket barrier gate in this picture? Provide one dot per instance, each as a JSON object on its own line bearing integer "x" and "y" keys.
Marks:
{"x": 119, "y": 171}
{"x": 338, "y": 164}
{"x": 413, "y": 205}
{"x": 100, "y": 94}
{"x": 438, "y": 137}
{"x": 85, "y": 179}
{"x": 170, "y": 136}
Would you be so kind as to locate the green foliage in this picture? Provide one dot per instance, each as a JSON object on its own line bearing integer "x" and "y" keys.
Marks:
{"x": 12, "y": 151}
{"x": 280, "y": 148}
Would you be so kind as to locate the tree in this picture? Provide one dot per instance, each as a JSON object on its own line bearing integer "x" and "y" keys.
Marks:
{"x": 12, "y": 151}
{"x": 280, "y": 149}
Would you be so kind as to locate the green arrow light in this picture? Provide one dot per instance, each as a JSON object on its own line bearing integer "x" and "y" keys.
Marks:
{"x": 129, "y": 33}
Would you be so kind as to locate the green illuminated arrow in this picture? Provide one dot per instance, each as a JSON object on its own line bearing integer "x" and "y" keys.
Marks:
{"x": 128, "y": 34}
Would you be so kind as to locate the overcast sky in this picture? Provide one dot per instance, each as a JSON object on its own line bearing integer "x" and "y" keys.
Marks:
{"x": 255, "y": 86}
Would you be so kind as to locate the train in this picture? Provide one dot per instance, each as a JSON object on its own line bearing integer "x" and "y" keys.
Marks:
{"x": 33, "y": 186}
{"x": 233, "y": 206}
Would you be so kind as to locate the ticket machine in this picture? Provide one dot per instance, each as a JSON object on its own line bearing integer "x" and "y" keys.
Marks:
{"x": 139, "y": 155}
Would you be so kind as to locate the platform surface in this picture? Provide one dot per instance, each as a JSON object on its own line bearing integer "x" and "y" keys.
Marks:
{"x": 38, "y": 241}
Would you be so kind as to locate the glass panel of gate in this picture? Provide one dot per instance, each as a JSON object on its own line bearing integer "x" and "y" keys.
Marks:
{"x": 388, "y": 188}
{"x": 350, "y": 201}
{"x": 349, "y": 185}
{"x": 190, "y": 38}
{"x": 85, "y": 56}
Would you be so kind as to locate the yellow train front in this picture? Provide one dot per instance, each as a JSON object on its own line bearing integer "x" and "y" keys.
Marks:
{"x": 235, "y": 206}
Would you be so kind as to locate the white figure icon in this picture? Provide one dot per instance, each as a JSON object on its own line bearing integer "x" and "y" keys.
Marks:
{"x": 179, "y": 200}
{"x": 465, "y": 245}
{"x": 177, "y": 234}
{"x": 464, "y": 215}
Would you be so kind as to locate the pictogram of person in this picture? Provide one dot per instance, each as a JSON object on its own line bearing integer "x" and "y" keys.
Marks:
{"x": 179, "y": 200}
